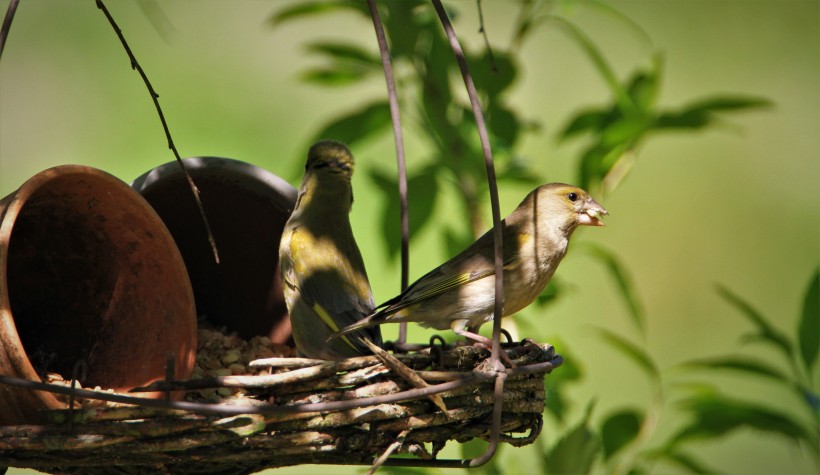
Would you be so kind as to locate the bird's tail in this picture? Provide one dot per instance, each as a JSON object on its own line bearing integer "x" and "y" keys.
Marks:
{"x": 365, "y": 322}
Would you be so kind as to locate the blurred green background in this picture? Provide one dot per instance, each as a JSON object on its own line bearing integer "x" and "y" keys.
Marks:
{"x": 737, "y": 204}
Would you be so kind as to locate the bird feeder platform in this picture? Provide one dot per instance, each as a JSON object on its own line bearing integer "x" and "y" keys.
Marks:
{"x": 306, "y": 413}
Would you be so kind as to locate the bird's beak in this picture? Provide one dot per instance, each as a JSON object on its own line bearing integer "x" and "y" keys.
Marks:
{"x": 591, "y": 214}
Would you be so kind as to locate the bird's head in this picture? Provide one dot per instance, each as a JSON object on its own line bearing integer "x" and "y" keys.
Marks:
{"x": 330, "y": 156}
{"x": 572, "y": 204}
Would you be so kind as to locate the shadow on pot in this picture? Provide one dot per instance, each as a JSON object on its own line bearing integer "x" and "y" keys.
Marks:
{"x": 88, "y": 272}
{"x": 247, "y": 208}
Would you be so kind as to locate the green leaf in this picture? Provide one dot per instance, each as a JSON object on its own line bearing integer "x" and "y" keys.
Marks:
{"x": 304, "y": 9}
{"x": 729, "y": 103}
{"x": 593, "y": 120}
{"x": 624, "y": 131}
{"x": 551, "y": 292}
{"x": 640, "y": 33}
{"x": 519, "y": 170}
{"x": 643, "y": 89}
{"x": 597, "y": 161}
{"x": 632, "y": 351}
{"x": 350, "y": 63}
{"x": 766, "y": 332}
{"x": 623, "y": 100}
{"x": 422, "y": 191}
{"x": 338, "y": 76}
{"x": 589, "y": 167}
{"x": 744, "y": 365}
{"x": 688, "y": 462}
{"x": 556, "y": 383}
{"x": 576, "y": 451}
{"x": 489, "y": 81}
{"x": 716, "y": 415}
{"x": 504, "y": 126}
{"x": 624, "y": 282}
{"x": 357, "y": 126}
{"x": 702, "y": 113}
{"x": 808, "y": 330}
{"x": 346, "y": 53}
{"x": 619, "y": 430}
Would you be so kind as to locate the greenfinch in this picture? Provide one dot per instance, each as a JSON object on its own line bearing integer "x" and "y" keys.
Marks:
{"x": 323, "y": 274}
{"x": 460, "y": 293}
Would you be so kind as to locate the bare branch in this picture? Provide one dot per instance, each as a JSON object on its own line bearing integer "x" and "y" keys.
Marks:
{"x": 155, "y": 97}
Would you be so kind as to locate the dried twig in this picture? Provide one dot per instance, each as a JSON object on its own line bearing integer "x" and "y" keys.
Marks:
{"x": 155, "y": 97}
{"x": 387, "y": 453}
{"x": 404, "y": 372}
{"x": 483, "y": 32}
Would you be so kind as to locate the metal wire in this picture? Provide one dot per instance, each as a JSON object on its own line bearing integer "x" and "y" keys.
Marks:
{"x": 499, "y": 374}
{"x": 395, "y": 118}
{"x": 497, "y": 235}
{"x": 215, "y": 408}
{"x": 78, "y": 373}
{"x": 206, "y": 408}
{"x": 4, "y": 30}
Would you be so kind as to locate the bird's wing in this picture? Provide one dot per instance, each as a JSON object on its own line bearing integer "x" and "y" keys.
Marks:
{"x": 328, "y": 292}
{"x": 469, "y": 266}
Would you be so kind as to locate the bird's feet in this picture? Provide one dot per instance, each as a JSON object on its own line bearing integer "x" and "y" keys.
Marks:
{"x": 486, "y": 343}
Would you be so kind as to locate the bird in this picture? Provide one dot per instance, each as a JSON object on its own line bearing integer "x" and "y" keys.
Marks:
{"x": 324, "y": 279}
{"x": 460, "y": 293}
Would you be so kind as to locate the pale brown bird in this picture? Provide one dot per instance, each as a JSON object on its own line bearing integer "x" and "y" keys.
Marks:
{"x": 325, "y": 282}
{"x": 460, "y": 293}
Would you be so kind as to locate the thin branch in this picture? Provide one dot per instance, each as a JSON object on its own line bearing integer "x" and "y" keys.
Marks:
{"x": 390, "y": 450}
{"x": 497, "y": 235}
{"x": 395, "y": 117}
{"x": 155, "y": 97}
{"x": 483, "y": 32}
{"x": 4, "y": 30}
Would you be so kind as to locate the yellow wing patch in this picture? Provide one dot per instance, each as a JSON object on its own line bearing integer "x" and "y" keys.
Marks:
{"x": 331, "y": 324}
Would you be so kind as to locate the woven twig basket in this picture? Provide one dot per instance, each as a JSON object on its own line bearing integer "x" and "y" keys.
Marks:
{"x": 134, "y": 439}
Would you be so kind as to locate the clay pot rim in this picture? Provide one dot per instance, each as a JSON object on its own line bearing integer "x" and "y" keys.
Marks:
{"x": 9, "y": 337}
{"x": 11, "y": 208}
{"x": 257, "y": 191}
{"x": 261, "y": 180}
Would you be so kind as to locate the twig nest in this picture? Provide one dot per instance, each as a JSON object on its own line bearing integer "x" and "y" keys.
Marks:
{"x": 274, "y": 427}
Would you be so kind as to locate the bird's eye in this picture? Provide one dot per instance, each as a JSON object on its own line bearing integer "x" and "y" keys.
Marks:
{"x": 572, "y": 196}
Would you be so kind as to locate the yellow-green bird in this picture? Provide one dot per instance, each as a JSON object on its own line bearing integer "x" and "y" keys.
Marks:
{"x": 325, "y": 283}
{"x": 460, "y": 293}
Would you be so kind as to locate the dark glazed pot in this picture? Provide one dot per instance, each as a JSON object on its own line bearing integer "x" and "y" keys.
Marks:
{"x": 247, "y": 208}
{"x": 89, "y": 272}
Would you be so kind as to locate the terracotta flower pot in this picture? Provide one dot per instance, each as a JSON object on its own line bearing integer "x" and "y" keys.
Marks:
{"x": 88, "y": 271}
{"x": 247, "y": 208}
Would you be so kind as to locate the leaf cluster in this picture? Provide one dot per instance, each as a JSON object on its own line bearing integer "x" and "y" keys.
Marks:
{"x": 612, "y": 133}
{"x": 431, "y": 95}
{"x": 622, "y": 439}
{"x": 616, "y": 131}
